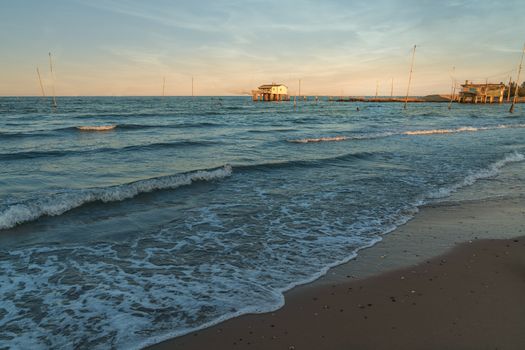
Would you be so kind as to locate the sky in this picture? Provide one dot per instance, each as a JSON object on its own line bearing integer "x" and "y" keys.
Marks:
{"x": 335, "y": 47}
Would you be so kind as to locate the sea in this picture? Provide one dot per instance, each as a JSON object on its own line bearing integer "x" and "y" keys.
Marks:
{"x": 125, "y": 221}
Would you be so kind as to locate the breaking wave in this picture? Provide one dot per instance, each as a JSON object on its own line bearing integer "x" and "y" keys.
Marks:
{"x": 441, "y": 131}
{"x": 462, "y": 129}
{"x": 344, "y": 138}
{"x": 321, "y": 139}
{"x": 62, "y": 202}
{"x": 110, "y": 127}
{"x": 96, "y": 128}
{"x": 367, "y": 136}
{"x": 470, "y": 179}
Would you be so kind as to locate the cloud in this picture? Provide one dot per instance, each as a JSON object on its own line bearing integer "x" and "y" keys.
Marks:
{"x": 233, "y": 45}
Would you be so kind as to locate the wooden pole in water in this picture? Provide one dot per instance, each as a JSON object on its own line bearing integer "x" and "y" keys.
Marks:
{"x": 410, "y": 76}
{"x": 40, "y": 81}
{"x": 377, "y": 87}
{"x": 53, "y": 80}
{"x": 392, "y": 88}
{"x": 452, "y": 88}
{"x": 508, "y": 92}
{"x": 163, "y": 85}
{"x": 516, "y": 92}
{"x": 486, "y": 89}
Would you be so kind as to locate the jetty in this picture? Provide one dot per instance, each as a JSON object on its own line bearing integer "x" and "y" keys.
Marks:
{"x": 413, "y": 99}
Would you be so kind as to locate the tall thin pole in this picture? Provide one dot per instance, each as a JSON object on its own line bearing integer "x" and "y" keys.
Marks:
{"x": 486, "y": 89}
{"x": 377, "y": 87}
{"x": 392, "y": 88}
{"x": 40, "y": 81}
{"x": 516, "y": 92}
{"x": 53, "y": 80}
{"x": 508, "y": 92}
{"x": 410, "y": 76}
{"x": 299, "y": 89}
{"x": 452, "y": 88}
{"x": 163, "y": 85}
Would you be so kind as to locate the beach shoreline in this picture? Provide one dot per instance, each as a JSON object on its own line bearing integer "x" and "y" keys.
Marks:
{"x": 434, "y": 248}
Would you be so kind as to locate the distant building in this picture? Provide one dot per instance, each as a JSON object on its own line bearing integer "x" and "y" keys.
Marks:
{"x": 270, "y": 92}
{"x": 481, "y": 93}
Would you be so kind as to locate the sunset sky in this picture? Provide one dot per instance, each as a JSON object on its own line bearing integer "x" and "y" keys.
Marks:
{"x": 126, "y": 47}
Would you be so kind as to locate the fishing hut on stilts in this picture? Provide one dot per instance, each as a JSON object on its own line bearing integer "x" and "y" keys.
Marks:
{"x": 271, "y": 92}
{"x": 481, "y": 93}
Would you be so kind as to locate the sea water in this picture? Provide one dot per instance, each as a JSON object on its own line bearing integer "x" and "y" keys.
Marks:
{"x": 126, "y": 221}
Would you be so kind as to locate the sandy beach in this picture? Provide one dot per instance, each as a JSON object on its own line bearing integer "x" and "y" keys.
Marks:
{"x": 451, "y": 278}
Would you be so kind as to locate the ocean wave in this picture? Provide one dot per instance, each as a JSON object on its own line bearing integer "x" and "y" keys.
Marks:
{"x": 470, "y": 179}
{"x": 101, "y": 128}
{"x": 398, "y": 218}
{"x": 96, "y": 127}
{"x": 267, "y": 131}
{"x": 31, "y": 155}
{"x": 367, "y": 136}
{"x": 441, "y": 131}
{"x": 62, "y": 202}
{"x": 463, "y": 129}
{"x": 159, "y": 145}
{"x": 307, "y": 163}
{"x": 320, "y": 139}
{"x": 134, "y": 148}
{"x": 168, "y": 126}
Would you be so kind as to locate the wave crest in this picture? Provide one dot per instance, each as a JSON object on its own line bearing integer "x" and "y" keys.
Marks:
{"x": 96, "y": 127}
{"x": 367, "y": 136}
{"x": 470, "y": 179}
{"x": 441, "y": 131}
{"x": 320, "y": 139}
{"x": 60, "y": 203}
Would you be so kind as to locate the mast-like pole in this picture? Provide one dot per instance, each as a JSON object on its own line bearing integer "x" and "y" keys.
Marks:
{"x": 53, "y": 80}
{"x": 299, "y": 89}
{"x": 410, "y": 76}
{"x": 377, "y": 87}
{"x": 40, "y": 81}
{"x": 452, "y": 88}
{"x": 508, "y": 92}
{"x": 392, "y": 88}
{"x": 511, "y": 110}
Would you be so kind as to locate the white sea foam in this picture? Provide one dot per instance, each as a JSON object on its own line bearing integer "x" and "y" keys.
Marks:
{"x": 96, "y": 128}
{"x": 207, "y": 266}
{"x": 463, "y": 129}
{"x": 423, "y": 132}
{"x": 62, "y": 202}
{"x": 441, "y": 131}
{"x": 378, "y": 228}
{"x": 470, "y": 179}
{"x": 320, "y": 139}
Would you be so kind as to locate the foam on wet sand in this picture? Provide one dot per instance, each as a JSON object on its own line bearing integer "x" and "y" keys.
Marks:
{"x": 441, "y": 281}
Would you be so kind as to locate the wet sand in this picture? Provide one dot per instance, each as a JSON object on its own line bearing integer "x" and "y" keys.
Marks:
{"x": 449, "y": 279}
